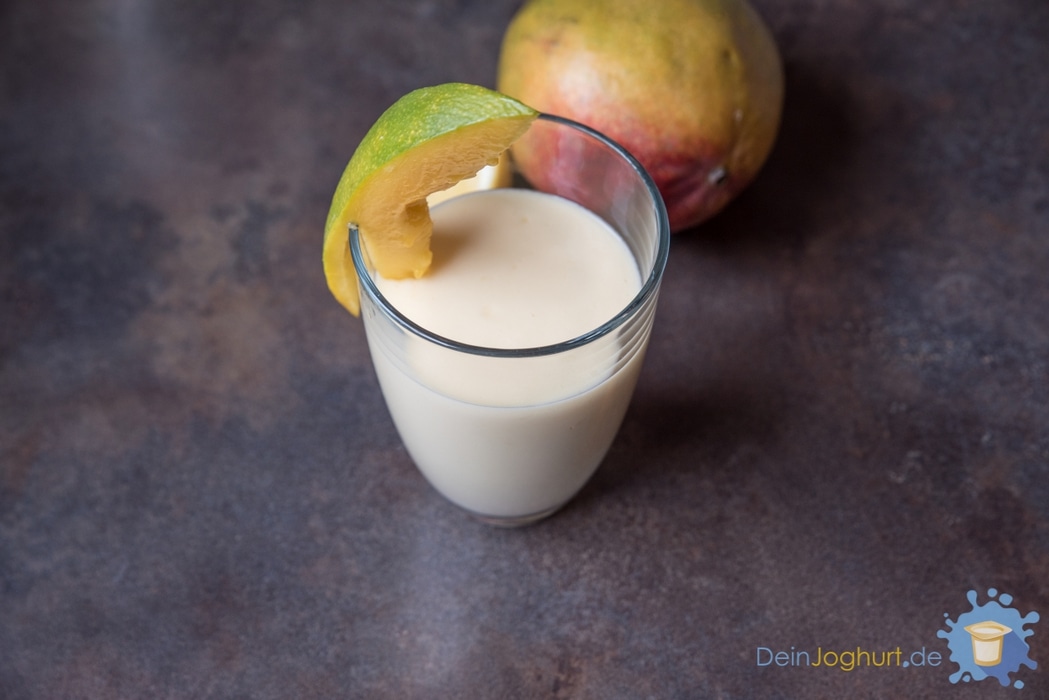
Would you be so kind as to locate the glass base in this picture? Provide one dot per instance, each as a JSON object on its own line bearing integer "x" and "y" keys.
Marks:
{"x": 513, "y": 521}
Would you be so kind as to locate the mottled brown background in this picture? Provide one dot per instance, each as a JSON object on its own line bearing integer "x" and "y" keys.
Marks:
{"x": 842, "y": 425}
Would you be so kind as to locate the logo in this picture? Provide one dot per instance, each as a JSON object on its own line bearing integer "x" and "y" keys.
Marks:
{"x": 989, "y": 641}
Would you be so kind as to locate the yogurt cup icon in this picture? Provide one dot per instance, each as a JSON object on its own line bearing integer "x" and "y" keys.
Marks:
{"x": 988, "y": 638}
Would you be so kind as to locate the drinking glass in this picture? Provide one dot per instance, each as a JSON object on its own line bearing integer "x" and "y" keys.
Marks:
{"x": 501, "y": 453}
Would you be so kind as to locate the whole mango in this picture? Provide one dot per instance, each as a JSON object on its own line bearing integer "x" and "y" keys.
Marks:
{"x": 692, "y": 88}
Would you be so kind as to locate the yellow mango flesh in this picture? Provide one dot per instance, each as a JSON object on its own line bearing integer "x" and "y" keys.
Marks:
{"x": 427, "y": 141}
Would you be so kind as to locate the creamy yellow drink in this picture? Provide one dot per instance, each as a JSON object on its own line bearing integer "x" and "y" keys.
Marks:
{"x": 509, "y": 437}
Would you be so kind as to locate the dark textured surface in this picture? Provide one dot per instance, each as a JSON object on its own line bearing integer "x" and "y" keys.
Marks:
{"x": 842, "y": 425}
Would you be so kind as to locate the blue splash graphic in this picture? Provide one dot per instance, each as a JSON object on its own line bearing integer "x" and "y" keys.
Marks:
{"x": 1014, "y": 650}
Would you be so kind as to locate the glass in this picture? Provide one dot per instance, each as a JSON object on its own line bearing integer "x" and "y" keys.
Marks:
{"x": 506, "y": 457}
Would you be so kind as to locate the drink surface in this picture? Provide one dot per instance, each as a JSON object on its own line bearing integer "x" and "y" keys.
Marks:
{"x": 517, "y": 269}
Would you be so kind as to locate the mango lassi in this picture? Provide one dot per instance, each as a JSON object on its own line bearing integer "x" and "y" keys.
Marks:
{"x": 512, "y": 436}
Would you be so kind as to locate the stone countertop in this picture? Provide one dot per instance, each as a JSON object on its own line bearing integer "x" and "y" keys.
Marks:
{"x": 841, "y": 429}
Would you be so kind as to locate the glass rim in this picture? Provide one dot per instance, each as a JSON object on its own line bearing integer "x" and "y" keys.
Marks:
{"x": 648, "y": 288}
